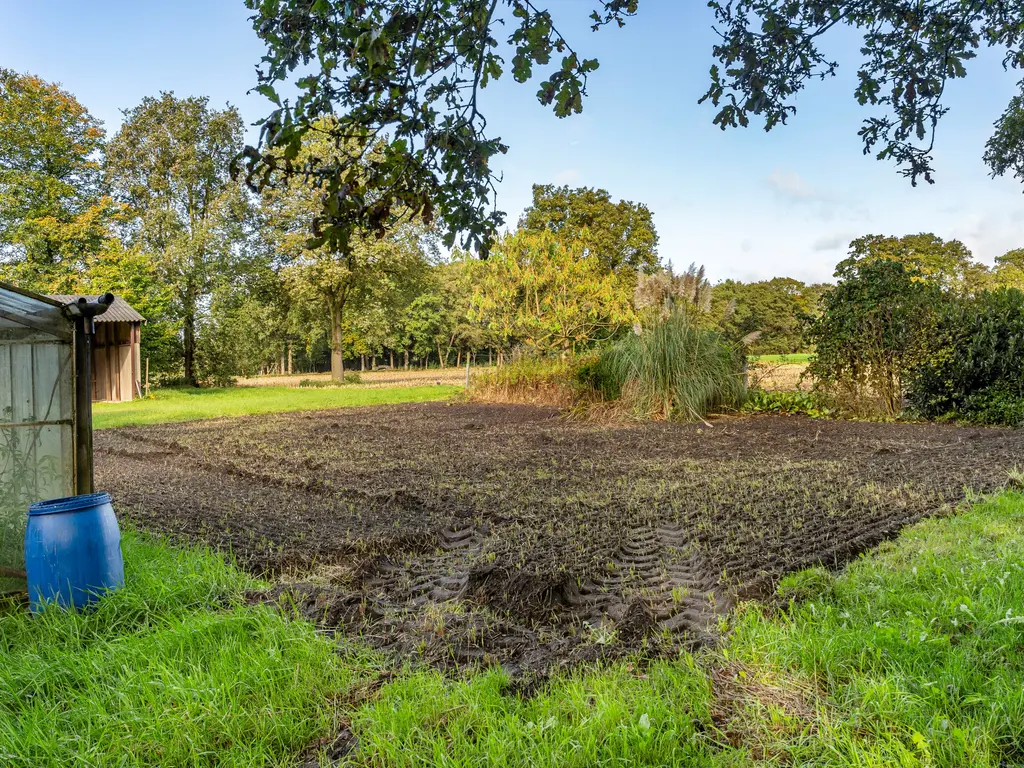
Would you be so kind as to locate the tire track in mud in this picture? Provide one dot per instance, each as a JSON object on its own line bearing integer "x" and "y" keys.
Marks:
{"x": 661, "y": 568}
{"x": 436, "y": 579}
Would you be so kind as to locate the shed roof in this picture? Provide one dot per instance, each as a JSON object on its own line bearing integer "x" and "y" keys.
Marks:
{"x": 118, "y": 312}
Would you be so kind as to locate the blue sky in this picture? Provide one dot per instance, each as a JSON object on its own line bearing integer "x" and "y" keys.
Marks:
{"x": 747, "y": 204}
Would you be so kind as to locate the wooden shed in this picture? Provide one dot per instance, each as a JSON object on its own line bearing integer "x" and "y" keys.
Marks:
{"x": 116, "y": 354}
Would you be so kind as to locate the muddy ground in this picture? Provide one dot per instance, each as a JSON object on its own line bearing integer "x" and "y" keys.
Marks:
{"x": 465, "y": 534}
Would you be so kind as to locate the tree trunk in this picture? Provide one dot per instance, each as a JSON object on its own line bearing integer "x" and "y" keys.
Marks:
{"x": 490, "y": 358}
{"x": 189, "y": 342}
{"x": 373, "y": 363}
{"x": 391, "y": 357}
{"x": 406, "y": 351}
{"x": 290, "y": 358}
{"x": 440, "y": 360}
{"x": 458, "y": 360}
{"x": 362, "y": 362}
{"x": 337, "y": 357}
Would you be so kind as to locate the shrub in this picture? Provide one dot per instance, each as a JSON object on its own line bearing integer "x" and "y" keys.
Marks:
{"x": 350, "y": 377}
{"x": 874, "y": 329}
{"x": 975, "y": 369}
{"x": 671, "y": 370}
{"x": 812, "y": 404}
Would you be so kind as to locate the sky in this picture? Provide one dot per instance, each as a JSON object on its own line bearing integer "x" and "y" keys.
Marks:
{"x": 747, "y": 204}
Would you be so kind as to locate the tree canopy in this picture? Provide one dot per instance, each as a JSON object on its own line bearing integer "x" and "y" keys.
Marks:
{"x": 621, "y": 235}
{"x": 51, "y": 205}
{"x": 361, "y": 273}
{"x": 169, "y": 165}
{"x": 871, "y": 334}
{"x": 548, "y": 295}
{"x": 774, "y": 309}
{"x": 946, "y": 263}
{"x": 412, "y": 70}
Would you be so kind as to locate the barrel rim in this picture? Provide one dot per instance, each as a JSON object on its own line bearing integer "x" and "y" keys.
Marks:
{"x": 69, "y": 504}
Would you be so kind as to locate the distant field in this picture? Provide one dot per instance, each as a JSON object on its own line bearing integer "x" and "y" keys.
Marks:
{"x": 778, "y": 377}
{"x": 393, "y": 378}
{"x": 796, "y": 358}
{"x": 173, "y": 405}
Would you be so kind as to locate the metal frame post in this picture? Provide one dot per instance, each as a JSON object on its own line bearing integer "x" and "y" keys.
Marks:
{"x": 83, "y": 312}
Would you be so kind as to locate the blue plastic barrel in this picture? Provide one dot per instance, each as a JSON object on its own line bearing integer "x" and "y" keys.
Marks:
{"x": 72, "y": 551}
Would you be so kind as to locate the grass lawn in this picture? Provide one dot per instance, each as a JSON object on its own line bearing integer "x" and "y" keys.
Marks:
{"x": 173, "y": 670}
{"x": 795, "y": 358}
{"x": 912, "y": 656}
{"x": 183, "y": 404}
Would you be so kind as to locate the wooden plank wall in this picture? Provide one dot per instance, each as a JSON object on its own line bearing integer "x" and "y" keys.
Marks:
{"x": 114, "y": 356}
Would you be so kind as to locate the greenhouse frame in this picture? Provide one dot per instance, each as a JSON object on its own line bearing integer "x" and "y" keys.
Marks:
{"x": 37, "y": 416}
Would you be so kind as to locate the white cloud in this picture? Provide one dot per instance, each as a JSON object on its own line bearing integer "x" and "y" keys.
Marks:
{"x": 791, "y": 185}
{"x": 832, "y": 242}
{"x": 567, "y": 177}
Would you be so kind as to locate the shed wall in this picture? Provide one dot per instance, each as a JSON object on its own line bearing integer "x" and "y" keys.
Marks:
{"x": 115, "y": 361}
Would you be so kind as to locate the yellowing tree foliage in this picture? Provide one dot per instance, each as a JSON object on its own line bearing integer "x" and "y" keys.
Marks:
{"x": 52, "y": 212}
{"x": 547, "y": 295}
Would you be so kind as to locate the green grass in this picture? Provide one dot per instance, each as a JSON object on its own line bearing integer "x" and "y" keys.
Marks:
{"x": 912, "y": 656}
{"x": 794, "y": 358}
{"x": 172, "y": 670}
{"x": 614, "y": 716}
{"x": 917, "y": 651}
{"x": 184, "y": 404}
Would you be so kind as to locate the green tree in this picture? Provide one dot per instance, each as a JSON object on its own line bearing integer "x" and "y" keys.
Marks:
{"x": 249, "y": 328}
{"x": 169, "y": 163}
{"x": 1009, "y": 269}
{"x": 621, "y": 235}
{"x": 975, "y": 366}
{"x": 770, "y": 49}
{"x": 548, "y": 295}
{"x": 872, "y": 333}
{"x": 413, "y": 69}
{"x": 774, "y": 309}
{"x": 380, "y": 322}
{"x": 948, "y": 264}
{"x": 52, "y": 210}
{"x": 346, "y": 277}
{"x": 129, "y": 272}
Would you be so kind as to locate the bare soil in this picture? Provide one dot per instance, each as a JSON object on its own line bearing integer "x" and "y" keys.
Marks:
{"x": 468, "y": 534}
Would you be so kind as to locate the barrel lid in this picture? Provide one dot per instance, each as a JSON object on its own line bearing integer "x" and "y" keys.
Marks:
{"x": 69, "y": 504}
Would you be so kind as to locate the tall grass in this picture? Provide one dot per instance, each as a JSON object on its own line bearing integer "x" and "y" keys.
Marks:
{"x": 533, "y": 380}
{"x": 673, "y": 369}
{"x": 172, "y": 670}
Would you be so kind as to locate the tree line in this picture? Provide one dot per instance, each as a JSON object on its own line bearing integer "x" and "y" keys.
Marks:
{"x": 234, "y": 282}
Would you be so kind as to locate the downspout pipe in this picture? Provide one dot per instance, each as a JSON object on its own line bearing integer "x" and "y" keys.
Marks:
{"x": 83, "y": 312}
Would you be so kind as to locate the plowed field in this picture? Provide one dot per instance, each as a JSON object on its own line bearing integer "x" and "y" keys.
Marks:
{"x": 473, "y": 534}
